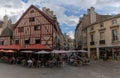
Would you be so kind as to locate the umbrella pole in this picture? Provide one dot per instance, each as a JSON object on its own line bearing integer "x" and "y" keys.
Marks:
{"x": 38, "y": 56}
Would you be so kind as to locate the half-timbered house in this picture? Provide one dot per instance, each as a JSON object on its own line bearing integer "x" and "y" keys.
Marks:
{"x": 37, "y": 27}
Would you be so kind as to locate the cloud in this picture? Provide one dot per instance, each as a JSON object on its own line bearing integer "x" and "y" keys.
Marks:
{"x": 71, "y": 34}
{"x": 67, "y": 11}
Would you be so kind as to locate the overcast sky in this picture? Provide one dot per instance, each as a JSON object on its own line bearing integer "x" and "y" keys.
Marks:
{"x": 68, "y": 11}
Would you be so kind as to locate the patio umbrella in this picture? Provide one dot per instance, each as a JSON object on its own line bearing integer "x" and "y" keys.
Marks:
{"x": 2, "y": 50}
{"x": 42, "y": 52}
{"x": 82, "y": 51}
{"x": 60, "y": 51}
{"x": 10, "y": 51}
{"x": 27, "y": 51}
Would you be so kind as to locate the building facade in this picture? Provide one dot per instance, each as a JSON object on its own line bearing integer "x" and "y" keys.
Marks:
{"x": 99, "y": 35}
{"x": 68, "y": 42}
{"x": 6, "y": 29}
{"x": 37, "y": 27}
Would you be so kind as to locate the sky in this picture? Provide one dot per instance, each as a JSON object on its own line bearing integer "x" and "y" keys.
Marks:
{"x": 68, "y": 12}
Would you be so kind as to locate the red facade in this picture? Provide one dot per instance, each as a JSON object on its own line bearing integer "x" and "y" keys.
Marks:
{"x": 34, "y": 27}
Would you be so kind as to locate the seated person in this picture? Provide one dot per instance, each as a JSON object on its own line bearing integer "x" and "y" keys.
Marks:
{"x": 30, "y": 63}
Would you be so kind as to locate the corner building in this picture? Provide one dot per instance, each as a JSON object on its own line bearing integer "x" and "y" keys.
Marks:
{"x": 99, "y": 34}
{"x": 36, "y": 27}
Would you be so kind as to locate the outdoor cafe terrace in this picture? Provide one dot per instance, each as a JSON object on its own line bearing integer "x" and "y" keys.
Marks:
{"x": 38, "y": 56}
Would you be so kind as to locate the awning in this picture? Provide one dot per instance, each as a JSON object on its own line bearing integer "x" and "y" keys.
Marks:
{"x": 13, "y": 47}
{"x": 37, "y": 47}
{"x": 2, "y": 47}
{"x": 7, "y": 51}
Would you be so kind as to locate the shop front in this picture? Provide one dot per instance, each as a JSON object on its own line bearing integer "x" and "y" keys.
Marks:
{"x": 110, "y": 53}
{"x": 93, "y": 53}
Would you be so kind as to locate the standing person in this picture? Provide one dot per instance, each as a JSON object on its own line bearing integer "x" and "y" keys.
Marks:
{"x": 105, "y": 57}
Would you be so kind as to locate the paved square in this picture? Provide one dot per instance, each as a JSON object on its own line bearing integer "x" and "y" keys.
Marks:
{"x": 97, "y": 69}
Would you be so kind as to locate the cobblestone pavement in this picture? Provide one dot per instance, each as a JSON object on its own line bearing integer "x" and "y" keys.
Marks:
{"x": 97, "y": 69}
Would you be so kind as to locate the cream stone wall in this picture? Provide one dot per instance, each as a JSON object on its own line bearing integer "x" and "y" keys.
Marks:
{"x": 108, "y": 27}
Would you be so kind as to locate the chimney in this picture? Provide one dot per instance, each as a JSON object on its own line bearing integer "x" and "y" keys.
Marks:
{"x": 92, "y": 15}
{"x": 88, "y": 11}
{"x": 44, "y": 9}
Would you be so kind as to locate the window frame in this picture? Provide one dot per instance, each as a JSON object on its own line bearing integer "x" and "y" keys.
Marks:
{"x": 31, "y": 19}
{"x": 17, "y": 41}
{"x": 20, "y": 29}
{"x": 25, "y": 41}
{"x": 37, "y": 27}
{"x": 114, "y": 34}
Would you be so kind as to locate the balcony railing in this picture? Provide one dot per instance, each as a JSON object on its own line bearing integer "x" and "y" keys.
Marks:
{"x": 102, "y": 42}
{"x": 92, "y": 43}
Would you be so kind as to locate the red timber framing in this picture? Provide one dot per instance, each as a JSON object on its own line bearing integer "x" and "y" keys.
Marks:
{"x": 34, "y": 27}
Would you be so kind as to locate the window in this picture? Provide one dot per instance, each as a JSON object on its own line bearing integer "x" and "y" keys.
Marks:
{"x": 27, "y": 41}
{"x": 114, "y": 35}
{"x": 92, "y": 28}
{"x": 32, "y": 11}
{"x": 102, "y": 36}
{"x": 16, "y": 41}
{"x": 31, "y": 19}
{"x": 92, "y": 37}
{"x": 1, "y": 42}
{"x": 21, "y": 29}
{"x": 37, "y": 41}
{"x": 114, "y": 22}
{"x": 101, "y": 25}
{"x": 37, "y": 27}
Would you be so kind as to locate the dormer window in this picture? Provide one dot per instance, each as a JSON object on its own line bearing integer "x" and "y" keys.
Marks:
{"x": 114, "y": 22}
{"x": 32, "y": 11}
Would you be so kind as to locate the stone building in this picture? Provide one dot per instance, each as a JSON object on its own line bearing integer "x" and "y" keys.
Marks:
{"x": 99, "y": 34}
{"x": 68, "y": 42}
{"x": 6, "y": 31}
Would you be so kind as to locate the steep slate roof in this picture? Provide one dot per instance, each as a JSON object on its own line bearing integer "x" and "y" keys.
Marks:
{"x": 47, "y": 17}
{"x": 7, "y": 32}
